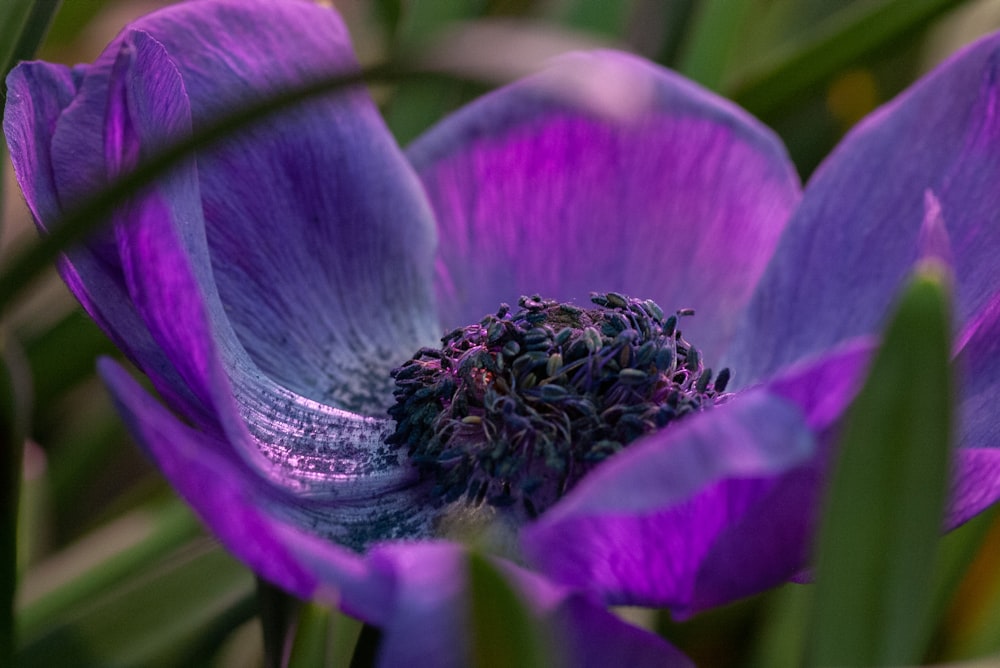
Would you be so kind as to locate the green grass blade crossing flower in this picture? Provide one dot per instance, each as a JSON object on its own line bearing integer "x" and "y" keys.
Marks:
{"x": 75, "y": 225}
{"x": 881, "y": 522}
{"x": 504, "y": 632}
{"x": 23, "y": 25}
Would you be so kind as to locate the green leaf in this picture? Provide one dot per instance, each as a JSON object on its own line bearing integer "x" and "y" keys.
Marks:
{"x": 505, "y": 634}
{"x": 23, "y": 24}
{"x": 883, "y": 514}
{"x": 850, "y": 35}
{"x": 419, "y": 20}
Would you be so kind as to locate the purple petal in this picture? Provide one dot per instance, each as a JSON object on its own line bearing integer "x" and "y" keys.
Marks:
{"x": 416, "y": 592}
{"x": 430, "y": 580}
{"x": 934, "y": 152}
{"x": 596, "y": 638}
{"x": 268, "y": 529}
{"x": 320, "y": 238}
{"x": 978, "y": 364}
{"x": 210, "y": 482}
{"x": 975, "y": 484}
{"x": 36, "y": 94}
{"x": 674, "y": 195}
{"x": 823, "y": 387}
{"x": 154, "y": 262}
{"x": 638, "y": 530}
{"x": 299, "y": 444}
{"x": 977, "y": 474}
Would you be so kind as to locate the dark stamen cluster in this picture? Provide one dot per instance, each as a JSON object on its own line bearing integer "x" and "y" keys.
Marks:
{"x": 520, "y": 406}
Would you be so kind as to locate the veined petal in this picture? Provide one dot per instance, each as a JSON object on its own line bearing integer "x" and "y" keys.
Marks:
{"x": 975, "y": 484}
{"x": 212, "y": 483}
{"x": 37, "y": 93}
{"x": 978, "y": 365}
{"x": 248, "y": 512}
{"x": 300, "y": 444}
{"x": 977, "y": 472}
{"x": 657, "y": 189}
{"x": 932, "y": 152}
{"x": 639, "y": 528}
{"x": 320, "y": 239}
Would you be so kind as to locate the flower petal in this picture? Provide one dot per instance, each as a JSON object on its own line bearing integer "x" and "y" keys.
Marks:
{"x": 978, "y": 363}
{"x": 247, "y": 512}
{"x": 638, "y": 529}
{"x": 975, "y": 484}
{"x": 430, "y": 622}
{"x": 977, "y": 473}
{"x": 932, "y": 152}
{"x": 416, "y": 592}
{"x": 36, "y": 94}
{"x": 300, "y": 444}
{"x": 672, "y": 194}
{"x": 320, "y": 238}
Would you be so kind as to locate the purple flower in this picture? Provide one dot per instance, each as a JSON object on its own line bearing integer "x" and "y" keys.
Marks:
{"x": 268, "y": 287}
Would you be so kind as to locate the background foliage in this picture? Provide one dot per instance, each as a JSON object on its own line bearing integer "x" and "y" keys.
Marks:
{"x": 114, "y": 570}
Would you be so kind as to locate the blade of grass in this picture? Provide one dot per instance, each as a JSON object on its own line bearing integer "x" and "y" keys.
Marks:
{"x": 504, "y": 632}
{"x": 60, "y": 584}
{"x": 175, "y": 611}
{"x": 327, "y": 637}
{"x": 707, "y": 51}
{"x": 311, "y": 645}
{"x": 848, "y": 36}
{"x": 882, "y": 518}
{"x": 278, "y": 612}
{"x": 23, "y": 24}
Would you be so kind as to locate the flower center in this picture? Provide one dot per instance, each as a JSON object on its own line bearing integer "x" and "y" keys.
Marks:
{"x": 520, "y": 406}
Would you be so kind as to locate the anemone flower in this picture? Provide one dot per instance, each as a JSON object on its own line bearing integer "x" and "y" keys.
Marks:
{"x": 288, "y": 287}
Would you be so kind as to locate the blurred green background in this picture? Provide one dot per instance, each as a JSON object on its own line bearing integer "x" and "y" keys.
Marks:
{"x": 116, "y": 572}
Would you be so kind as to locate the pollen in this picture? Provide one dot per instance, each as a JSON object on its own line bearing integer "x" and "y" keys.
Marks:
{"x": 514, "y": 410}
